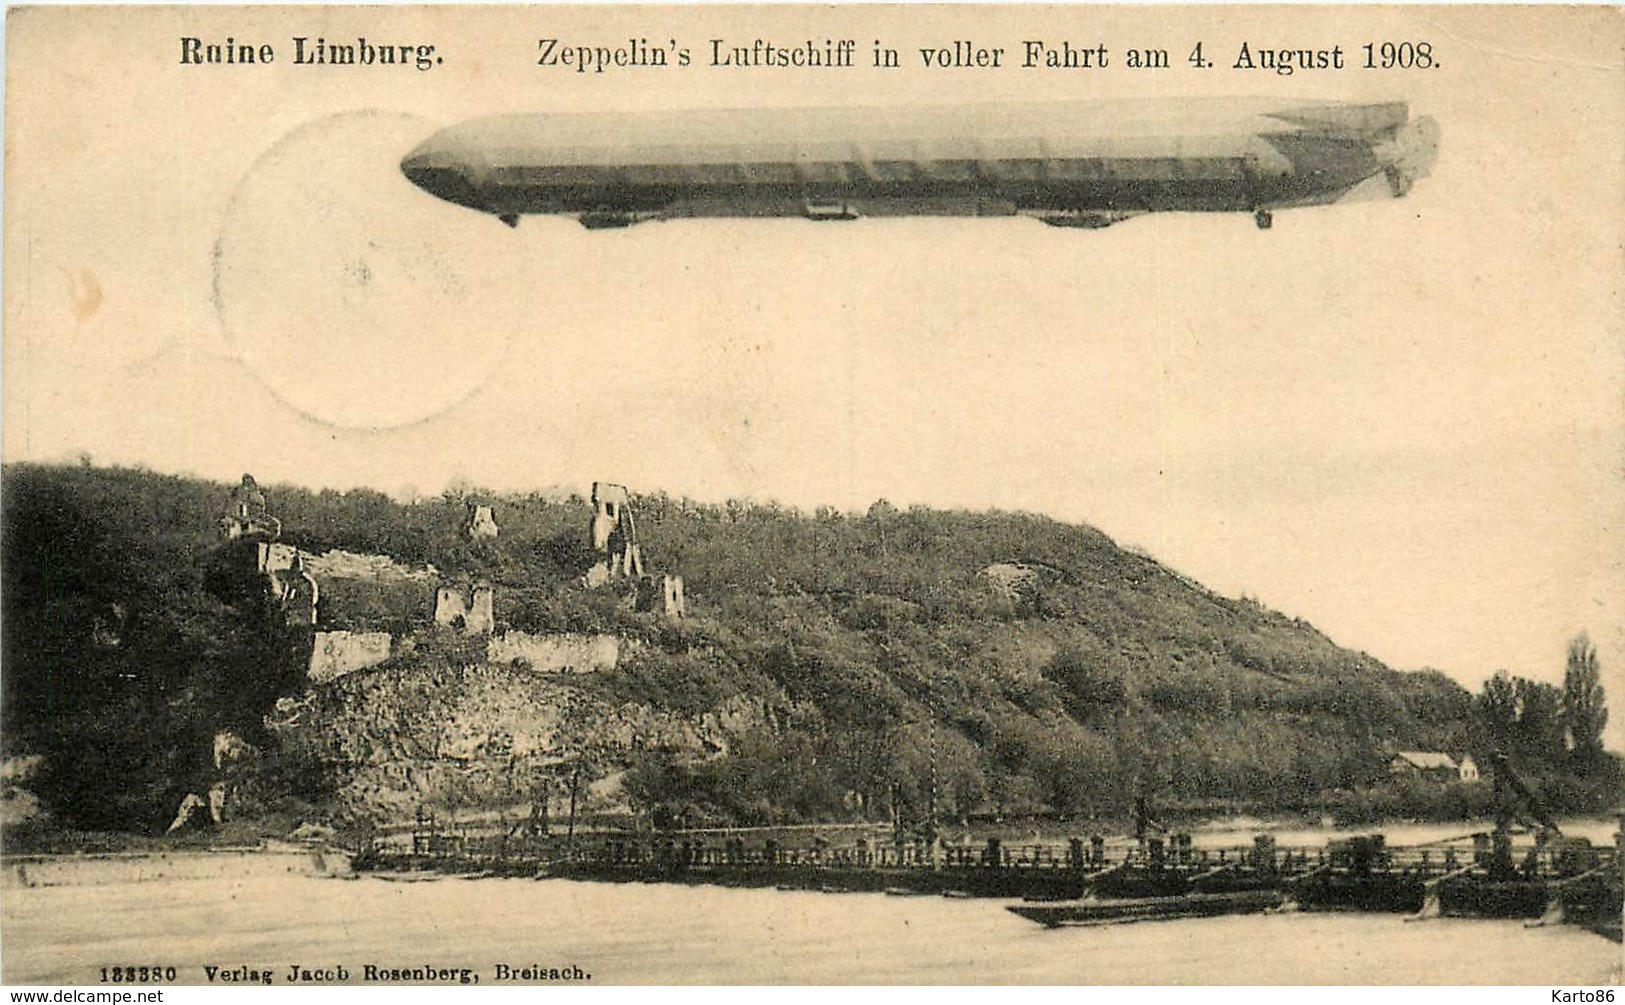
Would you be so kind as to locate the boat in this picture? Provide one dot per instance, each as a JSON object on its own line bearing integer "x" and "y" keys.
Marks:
{"x": 1128, "y": 910}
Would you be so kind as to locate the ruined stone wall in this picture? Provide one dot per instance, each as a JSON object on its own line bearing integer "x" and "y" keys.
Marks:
{"x": 339, "y": 653}
{"x": 564, "y": 653}
{"x": 674, "y": 603}
{"x": 350, "y": 565}
{"x": 275, "y": 557}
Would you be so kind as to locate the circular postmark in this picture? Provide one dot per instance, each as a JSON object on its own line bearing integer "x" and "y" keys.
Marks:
{"x": 342, "y": 287}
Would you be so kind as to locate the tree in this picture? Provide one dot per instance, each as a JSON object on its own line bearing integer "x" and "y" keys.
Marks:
{"x": 584, "y": 751}
{"x": 1091, "y": 692}
{"x": 1539, "y": 730}
{"x": 1584, "y": 709}
{"x": 1497, "y": 707}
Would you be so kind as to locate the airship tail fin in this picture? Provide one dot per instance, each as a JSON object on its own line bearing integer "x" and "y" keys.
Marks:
{"x": 1350, "y": 120}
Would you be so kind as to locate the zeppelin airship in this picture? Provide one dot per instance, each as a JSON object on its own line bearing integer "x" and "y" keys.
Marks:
{"x": 1067, "y": 163}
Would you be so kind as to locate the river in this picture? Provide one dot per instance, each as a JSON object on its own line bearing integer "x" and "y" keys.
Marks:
{"x": 261, "y": 919}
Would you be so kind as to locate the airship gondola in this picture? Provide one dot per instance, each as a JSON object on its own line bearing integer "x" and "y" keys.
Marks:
{"x": 1067, "y": 163}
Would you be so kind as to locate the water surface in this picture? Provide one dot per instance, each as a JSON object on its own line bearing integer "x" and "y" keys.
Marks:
{"x": 662, "y": 933}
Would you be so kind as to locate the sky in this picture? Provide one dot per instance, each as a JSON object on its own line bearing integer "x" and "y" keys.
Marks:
{"x": 1397, "y": 419}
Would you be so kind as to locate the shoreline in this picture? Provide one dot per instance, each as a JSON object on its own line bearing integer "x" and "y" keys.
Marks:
{"x": 102, "y": 868}
{"x": 332, "y": 857}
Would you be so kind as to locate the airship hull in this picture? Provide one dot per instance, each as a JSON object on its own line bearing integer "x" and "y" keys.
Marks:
{"x": 1092, "y": 160}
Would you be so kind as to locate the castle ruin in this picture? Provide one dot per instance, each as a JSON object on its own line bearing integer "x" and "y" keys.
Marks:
{"x": 473, "y": 610}
{"x": 247, "y": 516}
{"x": 614, "y": 534}
{"x": 481, "y": 523}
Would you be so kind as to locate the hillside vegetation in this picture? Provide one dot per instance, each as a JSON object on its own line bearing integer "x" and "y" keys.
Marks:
{"x": 831, "y": 665}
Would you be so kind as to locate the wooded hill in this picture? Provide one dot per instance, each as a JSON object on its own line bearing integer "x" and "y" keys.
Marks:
{"x": 890, "y": 670}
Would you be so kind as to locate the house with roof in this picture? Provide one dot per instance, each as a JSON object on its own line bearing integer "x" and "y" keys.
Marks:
{"x": 1467, "y": 768}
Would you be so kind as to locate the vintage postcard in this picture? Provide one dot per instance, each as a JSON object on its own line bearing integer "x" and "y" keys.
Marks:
{"x": 605, "y": 495}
